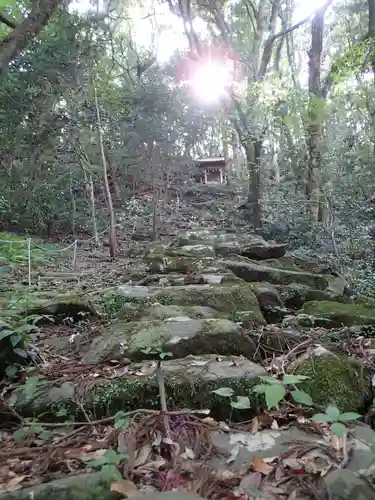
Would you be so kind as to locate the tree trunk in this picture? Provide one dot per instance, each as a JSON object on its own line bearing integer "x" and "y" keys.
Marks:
{"x": 40, "y": 14}
{"x": 90, "y": 192}
{"x": 112, "y": 227}
{"x": 253, "y": 149}
{"x": 315, "y": 129}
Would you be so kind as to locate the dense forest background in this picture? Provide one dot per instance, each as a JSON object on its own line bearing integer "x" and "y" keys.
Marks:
{"x": 96, "y": 106}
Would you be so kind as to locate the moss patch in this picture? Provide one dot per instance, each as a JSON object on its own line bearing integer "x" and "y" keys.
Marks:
{"x": 340, "y": 314}
{"x": 180, "y": 337}
{"x": 94, "y": 486}
{"x": 189, "y": 383}
{"x": 126, "y": 395}
{"x": 335, "y": 380}
{"x": 226, "y": 298}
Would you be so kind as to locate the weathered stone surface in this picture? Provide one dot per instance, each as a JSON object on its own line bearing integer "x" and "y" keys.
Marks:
{"x": 342, "y": 484}
{"x": 225, "y": 243}
{"x": 296, "y": 294}
{"x": 180, "y": 264}
{"x": 59, "y": 305}
{"x": 250, "y": 271}
{"x": 189, "y": 383}
{"x": 226, "y": 298}
{"x": 137, "y": 312}
{"x": 85, "y": 486}
{"x": 179, "y": 336}
{"x": 336, "y": 380}
{"x": 340, "y": 314}
{"x": 345, "y": 485}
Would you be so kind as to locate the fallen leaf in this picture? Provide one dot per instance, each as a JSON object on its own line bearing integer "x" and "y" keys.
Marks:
{"x": 125, "y": 487}
{"x": 274, "y": 425}
{"x": 255, "y": 425}
{"x": 293, "y": 463}
{"x": 279, "y": 473}
{"x": 209, "y": 421}
{"x": 260, "y": 465}
{"x": 337, "y": 443}
{"x": 143, "y": 455}
{"x": 224, "y": 427}
{"x": 251, "y": 480}
{"x": 224, "y": 475}
{"x": 188, "y": 454}
{"x": 233, "y": 453}
{"x": 15, "y": 481}
{"x": 81, "y": 454}
{"x": 154, "y": 465}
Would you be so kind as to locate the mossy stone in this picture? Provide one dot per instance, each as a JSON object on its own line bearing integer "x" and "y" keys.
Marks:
{"x": 84, "y": 486}
{"x": 335, "y": 380}
{"x": 340, "y": 314}
{"x": 226, "y": 298}
{"x": 127, "y": 395}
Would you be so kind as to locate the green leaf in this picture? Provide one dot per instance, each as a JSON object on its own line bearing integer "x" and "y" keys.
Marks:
{"x": 21, "y": 352}
{"x": 302, "y": 398}
{"x": 350, "y": 415}
{"x": 122, "y": 423}
{"x": 373, "y": 445}
{"x": 11, "y": 371}
{"x": 96, "y": 463}
{"x": 333, "y": 412}
{"x": 226, "y": 392}
{"x": 271, "y": 380}
{"x": 274, "y": 394}
{"x": 19, "y": 435}
{"x": 120, "y": 414}
{"x": 62, "y": 412}
{"x": 15, "y": 339}
{"x": 242, "y": 403}
{"x": 45, "y": 435}
{"x": 260, "y": 388}
{"x": 110, "y": 473}
{"x": 338, "y": 429}
{"x": 321, "y": 417}
{"x": 6, "y": 333}
{"x": 294, "y": 379}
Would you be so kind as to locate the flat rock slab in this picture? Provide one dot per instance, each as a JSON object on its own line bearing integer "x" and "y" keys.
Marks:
{"x": 189, "y": 383}
{"x": 342, "y": 484}
{"x": 179, "y": 336}
{"x": 226, "y": 298}
{"x": 339, "y": 314}
{"x": 249, "y": 271}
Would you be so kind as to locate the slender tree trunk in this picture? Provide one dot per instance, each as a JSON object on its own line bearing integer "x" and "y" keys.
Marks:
{"x": 112, "y": 228}
{"x": 253, "y": 149}
{"x": 90, "y": 192}
{"x": 315, "y": 128}
{"x": 371, "y": 37}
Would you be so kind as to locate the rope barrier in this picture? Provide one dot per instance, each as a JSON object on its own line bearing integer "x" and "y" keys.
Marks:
{"x": 29, "y": 244}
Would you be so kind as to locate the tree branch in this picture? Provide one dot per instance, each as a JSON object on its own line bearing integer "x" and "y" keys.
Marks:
{"x": 7, "y": 22}
{"x": 40, "y": 14}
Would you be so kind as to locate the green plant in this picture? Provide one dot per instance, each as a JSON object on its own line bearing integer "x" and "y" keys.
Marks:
{"x": 275, "y": 390}
{"x": 333, "y": 416}
{"x": 32, "y": 428}
{"x": 108, "y": 464}
{"x": 242, "y": 403}
{"x": 122, "y": 421}
{"x": 157, "y": 351}
{"x": 31, "y": 387}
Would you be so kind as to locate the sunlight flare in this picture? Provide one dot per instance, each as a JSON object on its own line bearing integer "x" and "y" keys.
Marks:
{"x": 211, "y": 81}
